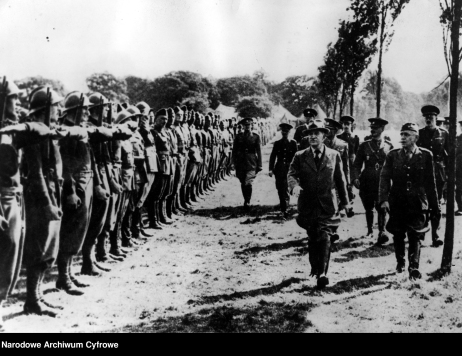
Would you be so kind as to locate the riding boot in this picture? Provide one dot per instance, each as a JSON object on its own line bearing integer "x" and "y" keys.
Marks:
{"x": 40, "y": 294}
{"x": 64, "y": 280}
{"x": 370, "y": 222}
{"x": 154, "y": 220}
{"x": 414, "y": 251}
{"x": 313, "y": 258}
{"x": 101, "y": 254}
{"x": 163, "y": 213}
{"x": 159, "y": 213}
{"x": 115, "y": 245}
{"x": 88, "y": 267}
{"x": 74, "y": 280}
{"x": 435, "y": 222}
{"x": 400, "y": 251}
{"x": 383, "y": 237}
{"x": 33, "y": 305}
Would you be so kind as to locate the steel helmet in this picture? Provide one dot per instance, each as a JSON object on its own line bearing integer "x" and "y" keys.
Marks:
{"x": 72, "y": 101}
{"x": 11, "y": 88}
{"x": 123, "y": 116}
{"x": 143, "y": 107}
{"x": 134, "y": 110}
{"x": 95, "y": 100}
{"x": 38, "y": 99}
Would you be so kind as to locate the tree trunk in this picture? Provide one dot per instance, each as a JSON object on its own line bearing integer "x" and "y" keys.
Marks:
{"x": 352, "y": 99}
{"x": 342, "y": 101}
{"x": 379, "y": 70}
{"x": 448, "y": 249}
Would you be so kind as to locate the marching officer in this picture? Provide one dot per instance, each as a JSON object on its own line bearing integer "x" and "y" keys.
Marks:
{"x": 371, "y": 154}
{"x": 247, "y": 159}
{"x": 281, "y": 157}
{"x": 408, "y": 191}
{"x": 313, "y": 174}
{"x": 348, "y": 123}
{"x": 309, "y": 114}
{"x": 435, "y": 139}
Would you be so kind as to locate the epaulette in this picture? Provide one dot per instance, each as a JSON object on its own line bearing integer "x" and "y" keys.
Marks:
{"x": 426, "y": 150}
{"x": 394, "y": 149}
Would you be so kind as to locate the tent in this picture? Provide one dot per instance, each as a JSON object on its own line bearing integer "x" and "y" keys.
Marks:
{"x": 226, "y": 112}
{"x": 321, "y": 114}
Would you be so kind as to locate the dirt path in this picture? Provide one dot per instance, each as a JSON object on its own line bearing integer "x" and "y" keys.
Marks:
{"x": 217, "y": 258}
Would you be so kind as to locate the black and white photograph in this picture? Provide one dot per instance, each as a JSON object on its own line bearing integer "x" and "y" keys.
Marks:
{"x": 229, "y": 166}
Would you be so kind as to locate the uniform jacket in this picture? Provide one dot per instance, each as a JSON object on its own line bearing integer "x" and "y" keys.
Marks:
{"x": 319, "y": 186}
{"x": 353, "y": 144}
{"x": 163, "y": 151}
{"x": 372, "y": 157}
{"x": 300, "y": 133}
{"x": 247, "y": 152}
{"x": 409, "y": 186}
{"x": 436, "y": 141}
{"x": 281, "y": 157}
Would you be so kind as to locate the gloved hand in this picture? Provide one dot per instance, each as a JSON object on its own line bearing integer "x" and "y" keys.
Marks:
{"x": 3, "y": 224}
{"x": 296, "y": 191}
{"x": 101, "y": 193}
{"x": 53, "y": 213}
{"x": 73, "y": 202}
{"x": 385, "y": 207}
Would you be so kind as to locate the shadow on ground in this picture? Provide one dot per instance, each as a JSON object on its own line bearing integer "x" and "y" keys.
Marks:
{"x": 263, "y": 318}
{"x": 375, "y": 251}
{"x": 273, "y": 247}
{"x": 235, "y": 212}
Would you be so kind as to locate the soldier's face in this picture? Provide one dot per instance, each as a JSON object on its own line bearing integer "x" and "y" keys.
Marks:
{"x": 161, "y": 121}
{"x": 11, "y": 107}
{"x": 179, "y": 117}
{"x": 247, "y": 126}
{"x": 376, "y": 131}
{"x": 315, "y": 138}
{"x": 408, "y": 138}
{"x": 347, "y": 126}
{"x": 430, "y": 120}
{"x": 285, "y": 133}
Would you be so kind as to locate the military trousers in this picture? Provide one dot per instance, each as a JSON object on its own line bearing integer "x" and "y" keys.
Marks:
{"x": 414, "y": 248}
{"x": 283, "y": 191}
{"x": 11, "y": 242}
{"x": 191, "y": 171}
{"x": 75, "y": 222}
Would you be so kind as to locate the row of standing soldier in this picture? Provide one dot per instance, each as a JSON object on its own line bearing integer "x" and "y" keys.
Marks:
{"x": 407, "y": 183}
{"x": 81, "y": 182}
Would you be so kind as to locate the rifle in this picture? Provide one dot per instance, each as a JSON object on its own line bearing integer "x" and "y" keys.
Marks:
{"x": 3, "y": 91}
{"x": 47, "y": 122}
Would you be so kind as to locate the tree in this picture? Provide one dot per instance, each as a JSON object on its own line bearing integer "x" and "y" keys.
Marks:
{"x": 233, "y": 89}
{"x": 107, "y": 84}
{"x": 30, "y": 83}
{"x": 137, "y": 89}
{"x": 296, "y": 93}
{"x": 197, "y": 102}
{"x": 254, "y": 106}
{"x": 380, "y": 15}
{"x": 451, "y": 21}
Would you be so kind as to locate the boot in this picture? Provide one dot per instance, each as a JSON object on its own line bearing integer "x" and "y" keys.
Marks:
{"x": 400, "y": 252}
{"x": 324, "y": 252}
{"x": 435, "y": 221}
{"x": 163, "y": 213}
{"x": 370, "y": 223}
{"x": 33, "y": 305}
{"x": 102, "y": 267}
{"x": 101, "y": 254}
{"x": 179, "y": 202}
{"x": 115, "y": 245}
{"x": 383, "y": 237}
{"x": 313, "y": 258}
{"x": 154, "y": 222}
{"x": 172, "y": 208}
{"x": 64, "y": 279}
{"x": 414, "y": 252}
{"x": 40, "y": 294}
{"x": 146, "y": 234}
{"x": 88, "y": 267}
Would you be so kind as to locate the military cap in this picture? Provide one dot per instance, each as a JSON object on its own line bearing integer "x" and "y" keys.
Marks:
{"x": 318, "y": 125}
{"x": 247, "y": 120}
{"x": 72, "y": 101}
{"x": 161, "y": 112}
{"x": 310, "y": 113}
{"x": 38, "y": 99}
{"x": 123, "y": 116}
{"x": 95, "y": 100}
{"x": 144, "y": 108}
{"x": 440, "y": 119}
{"x": 134, "y": 110}
{"x": 410, "y": 127}
{"x": 286, "y": 126}
{"x": 430, "y": 110}
{"x": 377, "y": 121}
{"x": 178, "y": 110}
{"x": 347, "y": 118}
{"x": 333, "y": 124}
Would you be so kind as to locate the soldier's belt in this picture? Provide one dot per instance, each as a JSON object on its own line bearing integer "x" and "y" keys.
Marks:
{"x": 376, "y": 166}
{"x": 82, "y": 173}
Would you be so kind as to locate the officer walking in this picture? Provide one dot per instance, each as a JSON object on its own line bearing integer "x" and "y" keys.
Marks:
{"x": 371, "y": 155}
{"x": 312, "y": 175}
{"x": 435, "y": 139}
{"x": 281, "y": 157}
{"x": 348, "y": 123}
{"x": 247, "y": 159}
{"x": 309, "y": 114}
{"x": 408, "y": 191}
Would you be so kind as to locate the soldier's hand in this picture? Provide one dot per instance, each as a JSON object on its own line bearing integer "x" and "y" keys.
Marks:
{"x": 270, "y": 174}
{"x": 3, "y": 224}
{"x": 356, "y": 183}
{"x": 296, "y": 191}
{"x": 101, "y": 193}
{"x": 53, "y": 213}
{"x": 115, "y": 187}
{"x": 385, "y": 207}
{"x": 73, "y": 202}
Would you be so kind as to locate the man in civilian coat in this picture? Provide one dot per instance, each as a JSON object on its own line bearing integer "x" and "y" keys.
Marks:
{"x": 314, "y": 177}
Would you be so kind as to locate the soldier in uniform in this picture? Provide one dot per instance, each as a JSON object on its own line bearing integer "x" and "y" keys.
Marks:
{"x": 182, "y": 161}
{"x": 281, "y": 157}
{"x": 408, "y": 191}
{"x": 371, "y": 154}
{"x": 435, "y": 139}
{"x": 309, "y": 114}
{"x": 314, "y": 176}
{"x": 347, "y": 135}
{"x": 247, "y": 159}
{"x": 194, "y": 163}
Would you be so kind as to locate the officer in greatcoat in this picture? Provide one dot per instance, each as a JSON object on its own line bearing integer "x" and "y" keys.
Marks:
{"x": 435, "y": 139}
{"x": 314, "y": 177}
{"x": 247, "y": 159}
{"x": 408, "y": 192}
{"x": 281, "y": 157}
{"x": 371, "y": 155}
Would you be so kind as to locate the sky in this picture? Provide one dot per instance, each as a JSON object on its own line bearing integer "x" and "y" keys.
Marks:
{"x": 69, "y": 40}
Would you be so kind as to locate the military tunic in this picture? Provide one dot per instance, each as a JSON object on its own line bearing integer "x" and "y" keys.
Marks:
{"x": 247, "y": 157}
{"x": 281, "y": 157}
